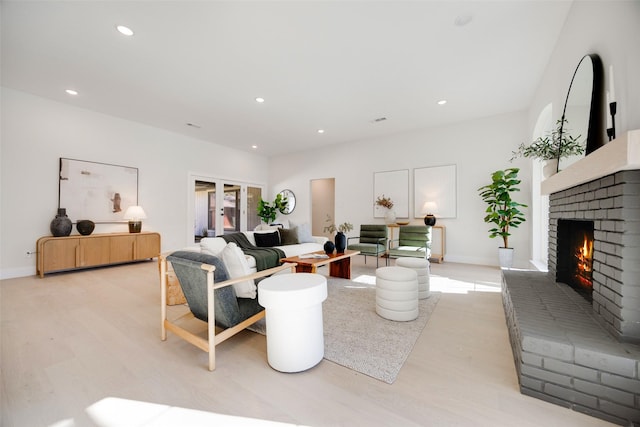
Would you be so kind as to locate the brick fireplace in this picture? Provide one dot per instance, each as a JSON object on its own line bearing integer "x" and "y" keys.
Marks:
{"x": 573, "y": 351}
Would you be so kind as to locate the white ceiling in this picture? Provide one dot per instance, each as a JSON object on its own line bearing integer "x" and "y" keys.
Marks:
{"x": 332, "y": 65}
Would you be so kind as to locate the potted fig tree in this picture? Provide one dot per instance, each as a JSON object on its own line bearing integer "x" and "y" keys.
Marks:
{"x": 502, "y": 211}
{"x": 268, "y": 212}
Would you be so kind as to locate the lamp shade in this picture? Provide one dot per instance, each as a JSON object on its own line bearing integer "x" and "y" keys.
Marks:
{"x": 429, "y": 207}
{"x": 135, "y": 213}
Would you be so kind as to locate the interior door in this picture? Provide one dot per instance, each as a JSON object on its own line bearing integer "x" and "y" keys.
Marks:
{"x": 322, "y": 205}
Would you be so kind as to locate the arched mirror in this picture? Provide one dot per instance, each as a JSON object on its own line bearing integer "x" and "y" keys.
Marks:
{"x": 583, "y": 110}
{"x": 291, "y": 201}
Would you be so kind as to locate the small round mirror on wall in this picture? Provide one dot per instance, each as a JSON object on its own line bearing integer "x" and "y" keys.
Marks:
{"x": 291, "y": 201}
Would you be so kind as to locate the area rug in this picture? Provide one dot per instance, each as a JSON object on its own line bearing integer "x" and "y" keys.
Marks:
{"x": 357, "y": 338}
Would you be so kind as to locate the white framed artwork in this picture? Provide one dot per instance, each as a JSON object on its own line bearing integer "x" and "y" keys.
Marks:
{"x": 99, "y": 192}
{"x": 435, "y": 191}
{"x": 394, "y": 185}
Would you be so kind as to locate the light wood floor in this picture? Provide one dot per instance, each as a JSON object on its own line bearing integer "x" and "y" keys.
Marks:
{"x": 71, "y": 340}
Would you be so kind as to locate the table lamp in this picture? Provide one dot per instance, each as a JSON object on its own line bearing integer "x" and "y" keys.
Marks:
{"x": 135, "y": 214}
{"x": 428, "y": 208}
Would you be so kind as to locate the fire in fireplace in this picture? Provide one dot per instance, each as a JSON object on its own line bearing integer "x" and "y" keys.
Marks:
{"x": 575, "y": 255}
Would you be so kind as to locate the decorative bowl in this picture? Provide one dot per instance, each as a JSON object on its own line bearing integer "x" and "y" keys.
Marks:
{"x": 402, "y": 222}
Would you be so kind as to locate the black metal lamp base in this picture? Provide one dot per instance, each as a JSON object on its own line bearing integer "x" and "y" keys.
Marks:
{"x": 430, "y": 220}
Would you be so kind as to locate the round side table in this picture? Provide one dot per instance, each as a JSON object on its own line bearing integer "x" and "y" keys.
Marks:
{"x": 293, "y": 304}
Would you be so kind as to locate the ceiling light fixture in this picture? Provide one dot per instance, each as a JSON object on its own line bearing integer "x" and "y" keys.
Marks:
{"x": 254, "y": 146}
{"x": 260, "y": 100}
{"x": 442, "y": 102}
{"x": 463, "y": 19}
{"x": 193, "y": 125}
{"x": 379, "y": 119}
{"x": 71, "y": 92}
{"x": 320, "y": 130}
{"x": 124, "y": 30}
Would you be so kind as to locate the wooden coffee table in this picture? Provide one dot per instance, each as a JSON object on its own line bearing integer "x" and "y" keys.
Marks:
{"x": 339, "y": 264}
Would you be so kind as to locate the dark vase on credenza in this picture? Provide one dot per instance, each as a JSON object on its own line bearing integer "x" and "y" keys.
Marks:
{"x": 341, "y": 242}
{"x": 61, "y": 224}
{"x": 85, "y": 227}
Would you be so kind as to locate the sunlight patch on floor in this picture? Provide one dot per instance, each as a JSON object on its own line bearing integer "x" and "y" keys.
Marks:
{"x": 441, "y": 284}
{"x": 117, "y": 412}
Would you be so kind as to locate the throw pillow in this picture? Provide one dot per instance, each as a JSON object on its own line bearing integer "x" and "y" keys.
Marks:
{"x": 304, "y": 233}
{"x": 288, "y": 236}
{"x": 267, "y": 240}
{"x": 212, "y": 245}
{"x": 237, "y": 266}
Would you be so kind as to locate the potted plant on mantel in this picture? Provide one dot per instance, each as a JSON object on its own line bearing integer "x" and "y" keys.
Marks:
{"x": 502, "y": 210}
{"x": 556, "y": 145}
{"x": 268, "y": 212}
{"x": 341, "y": 239}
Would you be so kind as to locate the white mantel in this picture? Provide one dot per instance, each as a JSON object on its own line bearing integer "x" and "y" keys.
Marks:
{"x": 623, "y": 153}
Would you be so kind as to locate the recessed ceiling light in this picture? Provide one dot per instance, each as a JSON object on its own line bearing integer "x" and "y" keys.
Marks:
{"x": 71, "y": 92}
{"x": 463, "y": 19}
{"x": 260, "y": 100}
{"x": 193, "y": 125}
{"x": 320, "y": 130}
{"x": 124, "y": 30}
{"x": 442, "y": 102}
{"x": 254, "y": 146}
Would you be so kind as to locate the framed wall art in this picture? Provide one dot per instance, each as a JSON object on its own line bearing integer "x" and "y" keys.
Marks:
{"x": 395, "y": 185}
{"x": 435, "y": 190}
{"x": 98, "y": 192}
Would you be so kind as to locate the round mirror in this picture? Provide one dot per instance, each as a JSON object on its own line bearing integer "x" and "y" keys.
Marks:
{"x": 291, "y": 201}
{"x": 582, "y": 114}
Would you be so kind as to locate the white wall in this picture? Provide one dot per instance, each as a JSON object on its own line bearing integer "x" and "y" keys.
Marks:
{"x": 610, "y": 29}
{"x": 477, "y": 148}
{"x": 36, "y": 132}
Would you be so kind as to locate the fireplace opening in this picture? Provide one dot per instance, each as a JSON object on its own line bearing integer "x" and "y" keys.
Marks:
{"x": 575, "y": 256}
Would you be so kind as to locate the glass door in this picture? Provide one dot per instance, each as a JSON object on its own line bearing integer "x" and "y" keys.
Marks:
{"x": 222, "y": 207}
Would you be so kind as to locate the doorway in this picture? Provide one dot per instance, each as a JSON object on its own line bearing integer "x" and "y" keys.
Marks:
{"x": 322, "y": 205}
{"x": 221, "y": 207}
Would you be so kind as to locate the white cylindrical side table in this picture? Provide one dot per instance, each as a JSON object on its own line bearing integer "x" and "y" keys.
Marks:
{"x": 293, "y": 304}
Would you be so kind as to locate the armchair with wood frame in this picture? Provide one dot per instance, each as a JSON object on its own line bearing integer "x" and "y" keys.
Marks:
{"x": 210, "y": 298}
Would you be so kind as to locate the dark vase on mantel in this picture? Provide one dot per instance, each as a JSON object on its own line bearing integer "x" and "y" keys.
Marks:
{"x": 61, "y": 224}
{"x": 341, "y": 242}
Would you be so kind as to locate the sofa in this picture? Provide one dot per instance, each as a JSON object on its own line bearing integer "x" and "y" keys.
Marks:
{"x": 290, "y": 241}
{"x": 293, "y": 241}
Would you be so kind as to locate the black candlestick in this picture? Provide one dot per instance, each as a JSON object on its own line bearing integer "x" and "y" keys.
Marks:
{"x": 611, "y": 132}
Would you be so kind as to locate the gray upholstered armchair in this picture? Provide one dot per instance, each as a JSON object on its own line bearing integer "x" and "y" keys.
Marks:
{"x": 412, "y": 241}
{"x": 371, "y": 241}
{"x": 209, "y": 294}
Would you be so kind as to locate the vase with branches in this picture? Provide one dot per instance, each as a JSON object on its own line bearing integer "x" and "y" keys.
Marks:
{"x": 340, "y": 239}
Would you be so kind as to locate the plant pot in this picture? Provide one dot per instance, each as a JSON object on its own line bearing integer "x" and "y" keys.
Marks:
{"x": 341, "y": 242}
{"x": 550, "y": 168}
{"x": 505, "y": 255}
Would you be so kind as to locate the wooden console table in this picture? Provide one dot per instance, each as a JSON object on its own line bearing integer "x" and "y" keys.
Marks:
{"x": 438, "y": 243}
{"x": 76, "y": 252}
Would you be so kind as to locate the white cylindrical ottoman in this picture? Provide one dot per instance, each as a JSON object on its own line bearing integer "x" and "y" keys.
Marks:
{"x": 421, "y": 266}
{"x": 293, "y": 304}
{"x": 397, "y": 293}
